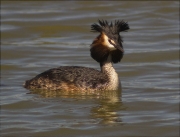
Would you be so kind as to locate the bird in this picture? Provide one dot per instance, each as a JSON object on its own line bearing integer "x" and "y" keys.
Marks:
{"x": 106, "y": 49}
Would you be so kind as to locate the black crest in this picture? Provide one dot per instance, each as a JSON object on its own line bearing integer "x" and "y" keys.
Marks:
{"x": 114, "y": 28}
{"x": 100, "y": 52}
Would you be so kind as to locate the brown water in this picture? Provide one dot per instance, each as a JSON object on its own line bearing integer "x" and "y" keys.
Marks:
{"x": 36, "y": 36}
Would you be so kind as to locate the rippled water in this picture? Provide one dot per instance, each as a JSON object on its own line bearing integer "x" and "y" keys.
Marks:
{"x": 36, "y": 36}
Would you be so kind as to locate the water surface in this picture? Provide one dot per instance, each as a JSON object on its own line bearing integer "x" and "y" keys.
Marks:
{"x": 36, "y": 36}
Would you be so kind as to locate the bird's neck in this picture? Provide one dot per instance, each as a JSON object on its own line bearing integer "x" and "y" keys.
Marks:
{"x": 108, "y": 69}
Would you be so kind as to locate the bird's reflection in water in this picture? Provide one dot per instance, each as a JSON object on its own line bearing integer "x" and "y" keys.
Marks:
{"x": 107, "y": 110}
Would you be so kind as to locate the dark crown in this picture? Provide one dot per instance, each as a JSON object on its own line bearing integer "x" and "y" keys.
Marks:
{"x": 105, "y": 27}
{"x": 100, "y": 53}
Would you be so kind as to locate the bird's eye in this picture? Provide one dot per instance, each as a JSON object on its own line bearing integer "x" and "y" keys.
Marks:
{"x": 111, "y": 41}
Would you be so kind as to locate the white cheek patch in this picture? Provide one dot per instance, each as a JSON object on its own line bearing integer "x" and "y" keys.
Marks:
{"x": 108, "y": 44}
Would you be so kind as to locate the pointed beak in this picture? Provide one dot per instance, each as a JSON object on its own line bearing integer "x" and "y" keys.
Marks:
{"x": 119, "y": 47}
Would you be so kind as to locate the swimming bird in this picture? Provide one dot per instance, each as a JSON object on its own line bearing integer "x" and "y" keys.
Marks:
{"x": 106, "y": 49}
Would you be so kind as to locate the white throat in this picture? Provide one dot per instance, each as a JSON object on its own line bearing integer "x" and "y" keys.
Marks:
{"x": 108, "y": 69}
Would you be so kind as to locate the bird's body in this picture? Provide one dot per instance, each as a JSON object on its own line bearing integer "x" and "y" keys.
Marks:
{"x": 104, "y": 50}
{"x": 69, "y": 78}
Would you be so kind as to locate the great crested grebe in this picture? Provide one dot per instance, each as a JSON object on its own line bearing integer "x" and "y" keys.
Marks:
{"x": 106, "y": 49}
